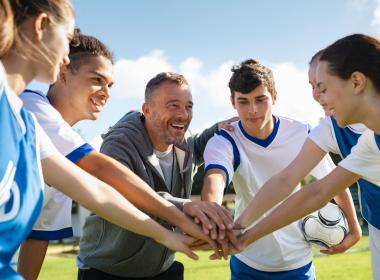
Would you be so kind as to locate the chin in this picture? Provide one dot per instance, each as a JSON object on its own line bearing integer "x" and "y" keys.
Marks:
{"x": 342, "y": 123}
{"x": 94, "y": 117}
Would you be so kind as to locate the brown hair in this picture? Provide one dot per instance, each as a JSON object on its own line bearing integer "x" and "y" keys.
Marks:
{"x": 58, "y": 12}
{"x": 352, "y": 53}
{"x": 161, "y": 78}
{"x": 250, "y": 74}
{"x": 6, "y": 27}
{"x": 316, "y": 57}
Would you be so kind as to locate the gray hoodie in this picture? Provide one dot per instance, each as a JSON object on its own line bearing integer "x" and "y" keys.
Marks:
{"x": 114, "y": 250}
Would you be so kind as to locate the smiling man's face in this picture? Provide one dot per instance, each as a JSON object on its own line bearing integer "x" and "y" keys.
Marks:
{"x": 169, "y": 113}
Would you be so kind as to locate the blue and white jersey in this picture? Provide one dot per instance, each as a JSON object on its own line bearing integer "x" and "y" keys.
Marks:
{"x": 54, "y": 221}
{"x": 365, "y": 161}
{"x": 249, "y": 162}
{"x": 21, "y": 183}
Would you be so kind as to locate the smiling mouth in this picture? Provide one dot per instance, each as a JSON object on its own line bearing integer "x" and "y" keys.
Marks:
{"x": 177, "y": 126}
{"x": 98, "y": 103}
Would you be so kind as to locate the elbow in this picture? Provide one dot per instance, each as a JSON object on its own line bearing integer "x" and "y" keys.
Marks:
{"x": 284, "y": 180}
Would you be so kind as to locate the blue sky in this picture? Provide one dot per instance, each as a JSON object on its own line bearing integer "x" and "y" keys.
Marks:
{"x": 202, "y": 39}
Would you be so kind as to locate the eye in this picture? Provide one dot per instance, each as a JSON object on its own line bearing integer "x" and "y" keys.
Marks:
{"x": 97, "y": 80}
{"x": 173, "y": 106}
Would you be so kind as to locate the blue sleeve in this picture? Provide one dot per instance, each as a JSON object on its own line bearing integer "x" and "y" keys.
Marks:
{"x": 80, "y": 152}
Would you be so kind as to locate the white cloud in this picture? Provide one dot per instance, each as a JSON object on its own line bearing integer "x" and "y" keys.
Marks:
{"x": 131, "y": 76}
{"x": 210, "y": 88}
{"x": 294, "y": 94}
{"x": 358, "y": 4}
{"x": 375, "y": 23}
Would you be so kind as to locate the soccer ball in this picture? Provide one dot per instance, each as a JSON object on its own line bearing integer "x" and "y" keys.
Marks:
{"x": 326, "y": 227}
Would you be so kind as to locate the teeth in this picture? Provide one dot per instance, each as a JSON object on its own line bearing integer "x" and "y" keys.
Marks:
{"x": 98, "y": 101}
{"x": 179, "y": 126}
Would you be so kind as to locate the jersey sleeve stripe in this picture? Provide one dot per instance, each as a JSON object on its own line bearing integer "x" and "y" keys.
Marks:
{"x": 80, "y": 152}
{"x": 377, "y": 139}
{"x": 234, "y": 147}
{"x": 51, "y": 235}
{"x": 218, "y": 166}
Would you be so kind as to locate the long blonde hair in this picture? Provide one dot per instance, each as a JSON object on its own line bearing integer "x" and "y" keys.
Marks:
{"x": 58, "y": 12}
{"x": 6, "y": 27}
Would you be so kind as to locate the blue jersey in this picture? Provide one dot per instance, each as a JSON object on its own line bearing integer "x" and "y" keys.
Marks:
{"x": 21, "y": 185}
{"x": 369, "y": 192}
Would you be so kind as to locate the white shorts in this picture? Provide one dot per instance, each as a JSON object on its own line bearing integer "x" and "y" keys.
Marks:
{"x": 374, "y": 242}
{"x": 54, "y": 222}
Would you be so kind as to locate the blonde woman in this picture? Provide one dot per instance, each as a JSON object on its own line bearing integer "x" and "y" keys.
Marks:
{"x": 43, "y": 30}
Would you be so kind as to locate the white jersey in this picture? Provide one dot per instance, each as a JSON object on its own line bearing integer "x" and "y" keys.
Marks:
{"x": 55, "y": 219}
{"x": 325, "y": 137}
{"x": 332, "y": 138}
{"x": 249, "y": 163}
{"x": 365, "y": 157}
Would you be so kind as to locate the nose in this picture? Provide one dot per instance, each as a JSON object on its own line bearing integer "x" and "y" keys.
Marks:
{"x": 316, "y": 94}
{"x": 183, "y": 113}
{"x": 66, "y": 60}
{"x": 106, "y": 91}
{"x": 253, "y": 108}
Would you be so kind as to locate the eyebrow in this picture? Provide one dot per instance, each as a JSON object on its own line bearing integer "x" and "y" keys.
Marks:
{"x": 176, "y": 100}
{"x": 260, "y": 96}
{"x": 102, "y": 76}
{"x": 242, "y": 98}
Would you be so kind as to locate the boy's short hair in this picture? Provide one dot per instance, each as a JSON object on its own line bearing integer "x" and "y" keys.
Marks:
{"x": 250, "y": 74}
{"x": 84, "y": 46}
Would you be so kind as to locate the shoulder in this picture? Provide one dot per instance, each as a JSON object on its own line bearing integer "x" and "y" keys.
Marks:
{"x": 290, "y": 125}
{"x": 29, "y": 94}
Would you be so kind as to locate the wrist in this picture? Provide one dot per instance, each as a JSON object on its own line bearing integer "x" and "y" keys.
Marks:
{"x": 161, "y": 235}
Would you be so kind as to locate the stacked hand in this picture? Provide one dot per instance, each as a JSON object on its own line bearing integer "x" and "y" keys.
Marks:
{"x": 217, "y": 223}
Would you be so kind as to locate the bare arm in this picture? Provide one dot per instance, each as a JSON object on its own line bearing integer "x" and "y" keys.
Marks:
{"x": 281, "y": 185}
{"x": 310, "y": 198}
{"x": 107, "y": 202}
{"x": 137, "y": 191}
{"x": 214, "y": 182}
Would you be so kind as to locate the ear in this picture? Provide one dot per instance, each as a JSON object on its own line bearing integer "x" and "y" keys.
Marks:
{"x": 232, "y": 99}
{"x": 359, "y": 82}
{"x": 63, "y": 74}
{"x": 146, "y": 110}
{"x": 40, "y": 24}
{"x": 274, "y": 97}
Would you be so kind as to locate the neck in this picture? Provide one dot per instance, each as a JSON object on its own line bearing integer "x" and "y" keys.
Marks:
{"x": 262, "y": 132}
{"x": 370, "y": 112}
{"x": 19, "y": 72}
{"x": 154, "y": 139}
{"x": 57, "y": 99}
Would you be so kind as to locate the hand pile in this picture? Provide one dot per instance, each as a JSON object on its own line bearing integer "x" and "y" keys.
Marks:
{"x": 224, "y": 236}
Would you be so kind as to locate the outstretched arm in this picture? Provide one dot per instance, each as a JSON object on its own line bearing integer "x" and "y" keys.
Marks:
{"x": 138, "y": 192}
{"x": 310, "y": 198}
{"x": 281, "y": 185}
{"x": 108, "y": 203}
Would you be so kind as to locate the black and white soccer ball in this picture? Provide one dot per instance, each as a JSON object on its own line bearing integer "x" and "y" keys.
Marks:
{"x": 326, "y": 227}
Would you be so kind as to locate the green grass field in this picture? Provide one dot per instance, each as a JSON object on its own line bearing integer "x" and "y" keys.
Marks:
{"x": 354, "y": 264}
